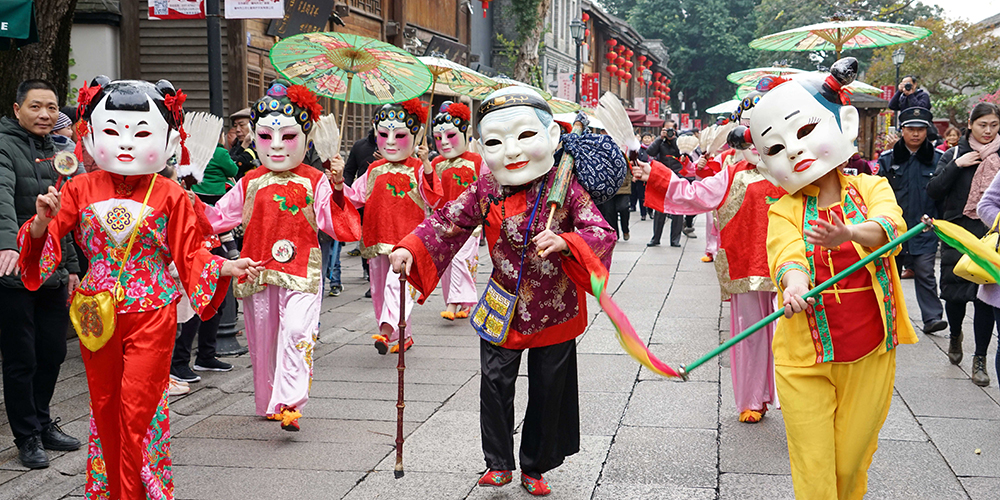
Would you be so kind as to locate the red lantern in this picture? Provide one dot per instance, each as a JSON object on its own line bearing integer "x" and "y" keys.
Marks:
{"x": 628, "y": 76}
{"x": 620, "y": 61}
{"x": 642, "y": 59}
{"x": 612, "y": 42}
{"x": 610, "y": 56}
{"x": 629, "y": 53}
{"x": 586, "y": 32}
{"x": 619, "y": 49}
{"x": 666, "y": 89}
{"x": 612, "y": 68}
{"x": 667, "y": 82}
{"x": 656, "y": 75}
{"x": 620, "y": 73}
{"x": 585, "y": 16}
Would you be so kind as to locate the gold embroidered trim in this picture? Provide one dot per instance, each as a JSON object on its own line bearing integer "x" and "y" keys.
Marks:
{"x": 309, "y": 284}
{"x": 730, "y": 287}
{"x": 456, "y": 162}
{"x": 376, "y": 250}
{"x": 280, "y": 178}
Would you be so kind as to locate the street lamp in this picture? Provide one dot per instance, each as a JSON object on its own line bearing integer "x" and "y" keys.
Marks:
{"x": 898, "y": 56}
{"x": 576, "y": 28}
{"x": 647, "y": 75}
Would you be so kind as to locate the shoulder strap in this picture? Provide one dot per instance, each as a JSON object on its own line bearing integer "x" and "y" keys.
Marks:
{"x": 135, "y": 231}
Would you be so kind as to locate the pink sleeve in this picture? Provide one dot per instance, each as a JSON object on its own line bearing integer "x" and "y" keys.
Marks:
{"x": 680, "y": 197}
{"x": 355, "y": 193}
{"x": 430, "y": 188}
{"x": 228, "y": 212}
{"x": 339, "y": 220}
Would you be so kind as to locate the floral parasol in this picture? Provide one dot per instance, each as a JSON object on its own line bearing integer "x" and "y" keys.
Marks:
{"x": 558, "y": 105}
{"x": 840, "y": 35}
{"x": 751, "y": 76}
{"x": 479, "y": 92}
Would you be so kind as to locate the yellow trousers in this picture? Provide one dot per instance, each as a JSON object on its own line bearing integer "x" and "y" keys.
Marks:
{"x": 833, "y": 413}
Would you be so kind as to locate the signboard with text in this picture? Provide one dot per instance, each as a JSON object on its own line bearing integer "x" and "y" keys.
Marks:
{"x": 160, "y": 10}
{"x": 697, "y": 123}
{"x": 255, "y": 9}
{"x": 887, "y": 92}
{"x": 301, "y": 16}
{"x": 590, "y": 92}
{"x": 685, "y": 121}
{"x": 451, "y": 50}
{"x": 654, "y": 107}
{"x": 565, "y": 87}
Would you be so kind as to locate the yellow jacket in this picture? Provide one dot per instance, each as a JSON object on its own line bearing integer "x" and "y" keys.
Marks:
{"x": 864, "y": 198}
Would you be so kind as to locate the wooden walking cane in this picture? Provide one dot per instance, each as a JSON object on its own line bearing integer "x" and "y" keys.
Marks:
{"x": 401, "y": 366}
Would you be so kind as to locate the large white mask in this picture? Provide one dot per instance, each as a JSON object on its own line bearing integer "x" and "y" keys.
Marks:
{"x": 281, "y": 144}
{"x": 130, "y": 142}
{"x": 514, "y": 142}
{"x": 798, "y": 138}
{"x": 749, "y": 154}
{"x": 450, "y": 141}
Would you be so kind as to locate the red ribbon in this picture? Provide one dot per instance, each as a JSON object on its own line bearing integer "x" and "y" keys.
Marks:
{"x": 175, "y": 104}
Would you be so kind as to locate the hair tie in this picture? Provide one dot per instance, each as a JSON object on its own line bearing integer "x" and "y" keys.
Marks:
{"x": 175, "y": 103}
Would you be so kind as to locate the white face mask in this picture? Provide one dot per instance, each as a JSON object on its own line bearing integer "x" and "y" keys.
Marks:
{"x": 130, "y": 142}
{"x": 798, "y": 138}
{"x": 394, "y": 140}
{"x": 750, "y": 154}
{"x": 450, "y": 141}
{"x": 516, "y": 146}
{"x": 281, "y": 144}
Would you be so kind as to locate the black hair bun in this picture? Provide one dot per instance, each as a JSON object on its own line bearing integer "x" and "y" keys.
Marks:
{"x": 100, "y": 81}
{"x": 737, "y": 138}
{"x": 845, "y": 70}
{"x": 165, "y": 87}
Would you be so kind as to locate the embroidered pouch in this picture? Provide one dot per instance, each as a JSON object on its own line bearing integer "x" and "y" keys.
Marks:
{"x": 492, "y": 315}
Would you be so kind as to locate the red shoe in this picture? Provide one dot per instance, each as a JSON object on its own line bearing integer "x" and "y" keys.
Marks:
{"x": 406, "y": 345}
{"x": 381, "y": 344}
{"x": 537, "y": 487}
{"x": 495, "y": 478}
{"x": 290, "y": 419}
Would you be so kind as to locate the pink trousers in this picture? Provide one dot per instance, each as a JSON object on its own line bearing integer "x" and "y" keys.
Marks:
{"x": 711, "y": 235}
{"x": 385, "y": 296}
{"x": 458, "y": 283}
{"x": 752, "y": 360}
{"x": 281, "y": 326}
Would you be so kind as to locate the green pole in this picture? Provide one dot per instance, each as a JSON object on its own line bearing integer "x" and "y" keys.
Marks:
{"x": 685, "y": 370}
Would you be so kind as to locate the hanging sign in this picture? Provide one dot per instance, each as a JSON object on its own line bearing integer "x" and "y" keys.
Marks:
{"x": 255, "y": 9}
{"x": 301, "y": 16}
{"x": 160, "y": 10}
{"x": 590, "y": 90}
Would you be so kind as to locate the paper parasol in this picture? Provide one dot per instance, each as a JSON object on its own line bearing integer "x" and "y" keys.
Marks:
{"x": 479, "y": 92}
{"x": 453, "y": 75}
{"x": 747, "y": 76}
{"x": 840, "y": 35}
{"x": 327, "y": 63}
{"x": 724, "y": 108}
{"x": 855, "y": 87}
{"x": 558, "y": 105}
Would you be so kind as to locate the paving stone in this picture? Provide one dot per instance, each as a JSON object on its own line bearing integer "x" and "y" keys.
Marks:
{"x": 742, "y": 446}
{"x": 381, "y": 391}
{"x": 632, "y": 491}
{"x": 237, "y": 483}
{"x": 936, "y": 397}
{"x": 313, "y": 430}
{"x": 281, "y": 452}
{"x": 672, "y": 457}
{"x": 606, "y": 372}
{"x": 981, "y": 488}
{"x": 449, "y": 441}
{"x": 388, "y": 374}
{"x": 601, "y": 412}
{"x": 413, "y": 486}
{"x": 958, "y": 439}
{"x": 900, "y": 424}
{"x": 44, "y": 484}
{"x": 663, "y": 403}
{"x": 925, "y": 475}
{"x": 755, "y": 487}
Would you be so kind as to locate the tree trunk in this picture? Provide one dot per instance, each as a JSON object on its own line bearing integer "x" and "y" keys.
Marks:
{"x": 47, "y": 59}
{"x": 527, "y": 53}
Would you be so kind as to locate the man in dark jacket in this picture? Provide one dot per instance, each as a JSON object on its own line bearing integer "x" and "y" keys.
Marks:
{"x": 908, "y": 166}
{"x": 664, "y": 150}
{"x": 909, "y": 96}
{"x": 241, "y": 150}
{"x": 34, "y": 324}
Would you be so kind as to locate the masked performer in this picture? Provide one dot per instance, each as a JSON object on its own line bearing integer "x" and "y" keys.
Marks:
{"x": 125, "y": 309}
{"x": 834, "y": 356}
{"x": 457, "y": 167}
{"x": 539, "y": 279}
{"x": 396, "y": 193}
{"x": 283, "y": 204}
{"x": 740, "y": 196}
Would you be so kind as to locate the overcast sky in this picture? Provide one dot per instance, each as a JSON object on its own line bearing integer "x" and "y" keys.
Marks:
{"x": 968, "y": 10}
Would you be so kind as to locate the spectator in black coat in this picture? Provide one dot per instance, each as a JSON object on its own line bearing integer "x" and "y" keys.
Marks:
{"x": 908, "y": 95}
{"x": 664, "y": 150}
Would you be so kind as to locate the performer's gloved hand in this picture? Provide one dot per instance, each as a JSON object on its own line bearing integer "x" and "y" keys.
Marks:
{"x": 242, "y": 267}
{"x": 641, "y": 170}
{"x": 401, "y": 259}
{"x": 549, "y": 242}
{"x": 796, "y": 284}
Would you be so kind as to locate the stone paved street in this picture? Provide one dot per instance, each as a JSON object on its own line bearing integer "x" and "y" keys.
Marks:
{"x": 644, "y": 437}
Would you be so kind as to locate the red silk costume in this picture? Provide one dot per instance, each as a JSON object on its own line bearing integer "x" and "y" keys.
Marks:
{"x": 127, "y": 376}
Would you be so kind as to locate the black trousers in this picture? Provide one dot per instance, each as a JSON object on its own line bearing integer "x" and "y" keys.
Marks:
{"x": 551, "y": 430}
{"x": 982, "y": 322}
{"x": 614, "y": 210}
{"x": 659, "y": 220}
{"x": 33, "y": 344}
{"x": 678, "y": 223}
{"x": 638, "y": 196}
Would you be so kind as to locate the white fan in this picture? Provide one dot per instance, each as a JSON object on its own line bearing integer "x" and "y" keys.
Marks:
{"x": 616, "y": 122}
{"x": 203, "y": 130}
{"x": 326, "y": 137}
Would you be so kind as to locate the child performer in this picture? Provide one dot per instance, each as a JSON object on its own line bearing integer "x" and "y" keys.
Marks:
{"x": 282, "y": 204}
{"x": 834, "y": 356}
{"x": 396, "y": 193}
{"x": 543, "y": 269}
{"x": 457, "y": 167}
{"x": 125, "y": 309}
{"x": 740, "y": 195}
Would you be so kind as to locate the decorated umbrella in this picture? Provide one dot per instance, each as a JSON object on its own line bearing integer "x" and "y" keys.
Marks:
{"x": 327, "y": 63}
{"x": 723, "y": 108}
{"x": 479, "y": 92}
{"x": 558, "y": 105}
{"x": 855, "y": 87}
{"x": 840, "y": 35}
{"x": 753, "y": 75}
{"x": 455, "y": 76}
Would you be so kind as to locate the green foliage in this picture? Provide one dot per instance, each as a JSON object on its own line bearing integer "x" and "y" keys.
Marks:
{"x": 619, "y": 8}
{"x": 707, "y": 40}
{"x": 774, "y": 16}
{"x": 526, "y": 16}
{"x": 956, "y": 65}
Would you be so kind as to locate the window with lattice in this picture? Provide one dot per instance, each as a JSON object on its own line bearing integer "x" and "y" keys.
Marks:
{"x": 370, "y": 6}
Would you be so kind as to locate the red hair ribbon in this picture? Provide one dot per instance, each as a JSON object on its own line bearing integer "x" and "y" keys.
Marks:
{"x": 746, "y": 136}
{"x": 835, "y": 85}
{"x": 175, "y": 103}
{"x": 185, "y": 154}
{"x": 83, "y": 130}
{"x": 305, "y": 99}
{"x": 84, "y": 97}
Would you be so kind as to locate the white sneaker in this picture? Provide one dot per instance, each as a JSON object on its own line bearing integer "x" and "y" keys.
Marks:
{"x": 176, "y": 389}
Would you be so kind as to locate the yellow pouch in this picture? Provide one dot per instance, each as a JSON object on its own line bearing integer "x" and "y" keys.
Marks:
{"x": 969, "y": 270}
{"x": 95, "y": 314}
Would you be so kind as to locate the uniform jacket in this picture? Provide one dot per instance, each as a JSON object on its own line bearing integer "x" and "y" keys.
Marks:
{"x": 908, "y": 174}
